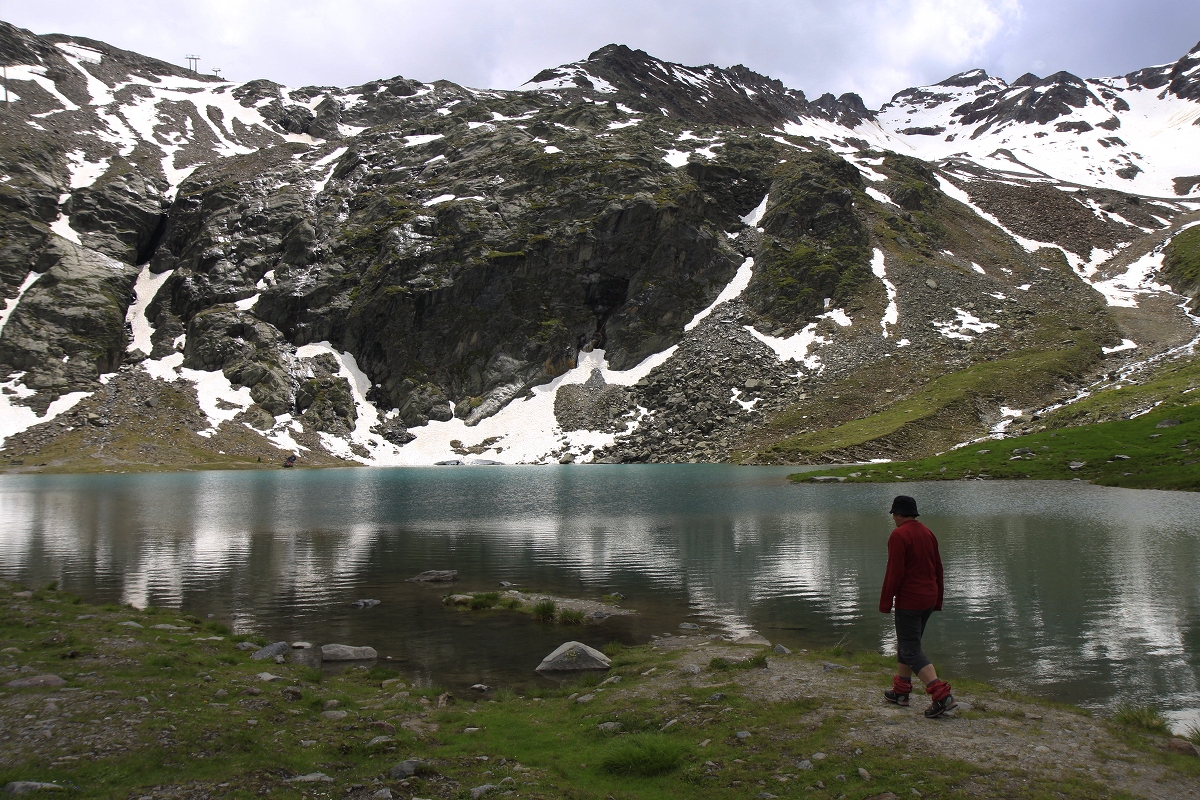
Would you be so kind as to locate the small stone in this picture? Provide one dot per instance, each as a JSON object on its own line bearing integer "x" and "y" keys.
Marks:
{"x": 301, "y": 645}
{"x": 252, "y": 690}
{"x": 1168, "y": 423}
{"x": 481, "y": 687}
{"x": 238, "y": 646}
{"x": 386, "y": 727}
{"x": 222, "y": 693}
{"x": 267, "y": 677}
{"x": 1183, "y": 747}
{"x": 1077, "y": 465}
{"x": 380, "y": 740}
{"x": 819, "y": 756}
{"x": 251, "y": 722}
{"x": 670, "y": 724}
{"x": 335, "y": 715}
{"x": 330, "y": 705}
{"x": 11, "y": 650}
{"x": 609, "y": 727}
{"x": 766, "y": 796}
{"x": 752, "y": 638}
{"x": 307, "y": 742}
{"x": 344, "y": 652}
{"x": 716, "y": 697}
{"x": 312, "y": 777}
{"x": 862, "y": 773}
{"x": 781, "y": 650}
{"x": 830, "y": 666}
{"x": 705, "y": 743}
{"x": 471, "y": 730}
{"x": 931, "y": 283}
{"x": 743, "y": 735}
{"x": 688, "y": 626}
{"x": 805, "y": 764}
{"x": 37, "y": 681}
{"x": 26, "y": 595}
{"x": 480, "y": 791}
{"x": 1041, "y": 748}
{"x": 365, "y": 603}
{"x": 292, "y": 693}
{"x": 585, "y": 698}
{"x": 129, "y": 624}
{"x": 445, "y": 699}
{"x": 889, "y": 796}
{"x": 691, "y": 669}
{"x": 166, "y": 627}
{"x": 382, "y": 794}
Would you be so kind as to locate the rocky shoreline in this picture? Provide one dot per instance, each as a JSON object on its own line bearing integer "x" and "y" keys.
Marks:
{"x": 115, "y": 702}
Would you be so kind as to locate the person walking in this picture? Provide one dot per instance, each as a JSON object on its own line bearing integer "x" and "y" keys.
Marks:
{"x": 914, "y": 585}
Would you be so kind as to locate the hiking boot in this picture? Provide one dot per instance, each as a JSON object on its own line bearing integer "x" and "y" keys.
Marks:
{"x": 939, "y": 707}
{"x": 892, "y": 696}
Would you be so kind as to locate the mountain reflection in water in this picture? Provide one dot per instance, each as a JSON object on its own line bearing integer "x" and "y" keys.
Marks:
{"x": 1074, "y": 592}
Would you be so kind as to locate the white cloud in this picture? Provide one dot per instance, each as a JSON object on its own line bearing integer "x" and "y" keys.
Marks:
{"x": 874, "y": 47}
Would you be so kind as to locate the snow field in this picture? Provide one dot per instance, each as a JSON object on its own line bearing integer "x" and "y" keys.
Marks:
{"x": 891, "y": 315}
{"x": 144, "y": 289}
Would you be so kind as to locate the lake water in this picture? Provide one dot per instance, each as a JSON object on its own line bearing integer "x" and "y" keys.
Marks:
{"x": 1073, "y": 592}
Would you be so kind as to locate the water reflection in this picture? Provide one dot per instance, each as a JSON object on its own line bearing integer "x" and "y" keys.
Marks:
{"x": 1081, "y": 593}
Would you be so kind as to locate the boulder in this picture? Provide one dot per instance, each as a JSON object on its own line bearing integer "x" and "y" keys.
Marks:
{"x": 752, "y": 638}
{"x": 572, "y": 657}
{"x": 36, "y": 681}
{"x": 407, "y": 769}
{"x": 435, "y": 576}
{"x": 781, "y": 650}
{"x": 271, "y": 650}
{"x": 29, "y": 787}
{"x": 344, "y": 652}
{"x": 1183, "y": 747}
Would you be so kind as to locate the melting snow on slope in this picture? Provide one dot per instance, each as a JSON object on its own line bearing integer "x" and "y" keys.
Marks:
{"x": 10, "y": 305}
{"x": 144, "y": 290}
{"x": 967, "y": 323}
{"x": 754, "y": 217}
{"x": 676, "y": 158}
{"x": 1126, "y": 344}
{"x": 891, "y": 315}
{"x": 796, "y": 347}
{"x": 732, "y": 290}
{"x": 1122, "y": 290}
{"x": 527, "y": 428}
{"x": 16, "y": 418}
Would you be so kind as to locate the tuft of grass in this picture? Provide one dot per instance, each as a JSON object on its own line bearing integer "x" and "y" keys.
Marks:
{"x": 511, "y": 603}
{"x": 611, "y": 649}
{"x": 1192, "y": 734}
{"x": 643, "y": 756}
{"x": 378, "y": 673}
{"x": 723, "y": 665}
{"x": 1145, "y": 717}
{"x": 310, "y": 674}
{"x": 571, "y": 616}
{"x": 482, "y": 600}
{"x": 544, "y": 610}
{"x": 504, "y": 694}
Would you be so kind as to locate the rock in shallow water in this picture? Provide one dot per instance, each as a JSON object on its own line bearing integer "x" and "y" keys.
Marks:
{"x": 344, "y": 652}
{"x": 573, "y": 656}
{"x": 435, "y": 576}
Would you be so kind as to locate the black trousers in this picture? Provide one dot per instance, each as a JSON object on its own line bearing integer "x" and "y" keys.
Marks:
{"x": 910, "y": 627}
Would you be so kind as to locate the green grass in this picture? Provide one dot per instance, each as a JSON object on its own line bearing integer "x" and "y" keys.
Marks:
{"x": 1144, "y": 717}
{"x": 483, "y": 600}
{"x": 571, "y": 616}
{"x": 544, "y": 610}
{"x": 1158, "y": 458}
{"x": 945, "y": 407}
{"x": 187, "y": 739}
{"x": 643, "y": 755}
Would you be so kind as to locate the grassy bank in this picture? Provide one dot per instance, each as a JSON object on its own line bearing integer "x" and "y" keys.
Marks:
{"x": 170, "y": 707}
{"x": 1135, "y": 453}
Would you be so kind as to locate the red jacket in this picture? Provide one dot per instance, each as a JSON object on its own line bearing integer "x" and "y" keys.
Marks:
{"x": 914, "y": 570}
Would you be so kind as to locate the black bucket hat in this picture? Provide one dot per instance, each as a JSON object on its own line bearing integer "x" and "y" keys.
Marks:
{"x": 905, "y": 506}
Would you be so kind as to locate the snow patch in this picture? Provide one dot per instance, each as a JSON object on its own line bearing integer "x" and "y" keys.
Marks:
{"x": 755, "y": 216}
{"x": 17, "y": 418}
{"x": 422, "y": 138}
{"x": 891, "y": 315}
{"x": 732, "y": 290}
{"x": 551, "y": 149}
{"x": 144, "y": 289}
{"x": 441, "y": 198}
{"x": 10, "y": 305}
{"x": 676, "y": 158}
{"x": 967, "y": 323}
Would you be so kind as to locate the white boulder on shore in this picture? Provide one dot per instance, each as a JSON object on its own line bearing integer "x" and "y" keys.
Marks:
{"x": 573, "y": 656}
{"x": 344, "y": 652}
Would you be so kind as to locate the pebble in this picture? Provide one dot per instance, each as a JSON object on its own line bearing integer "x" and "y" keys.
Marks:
{"x": 743, "y": 735}
{"x": 330, "y": 705}
{"x": 26, "y": 595}
{"x": 129, "y": 624}
{"x": 382, "y": 794}
{"x": 781, "y": 650}
{"x": 705, "y": 743}
{"x": 268, "y": 677}
{"x": 585, "y": 698}
{"x": 386, "y": 739}
{"x": 670, "y": 724}
{"x": 238, "y": 646}
{"x": 688, "y": 626}
{"x": 805, "y": 764}
{"x": 690, "y": 669}
{"x": 386, "y": 727}
{"x": 335, "y": 715}
{"x": 301, "y": 645}
{"x": 307, "y": 742}
{"x": 819, "y": 756}
{"x": 271, "y": 650}
{"x": 609, "y": 727}
{"x": 481, "y": 687}
{"x": 406, "y": 769}
{"x": 480, "y": 791}
{"x": 862, "y": 773}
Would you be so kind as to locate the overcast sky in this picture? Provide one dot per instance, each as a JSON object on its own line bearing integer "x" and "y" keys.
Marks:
{"x": 873, "y": 47}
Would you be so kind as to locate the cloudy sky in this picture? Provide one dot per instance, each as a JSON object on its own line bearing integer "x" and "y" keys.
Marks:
{"x": 873, "y": 47}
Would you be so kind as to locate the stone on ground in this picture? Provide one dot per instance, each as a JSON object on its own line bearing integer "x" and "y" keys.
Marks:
{"x": 573, "y": 656}
{"x": 344, "y": 652}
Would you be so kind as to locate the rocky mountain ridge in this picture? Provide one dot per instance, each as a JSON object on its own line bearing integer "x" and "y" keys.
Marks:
{"x": 626, "y": 260}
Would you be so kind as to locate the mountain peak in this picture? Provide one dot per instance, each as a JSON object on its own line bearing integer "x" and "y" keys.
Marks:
{"x": 972, "y": 77}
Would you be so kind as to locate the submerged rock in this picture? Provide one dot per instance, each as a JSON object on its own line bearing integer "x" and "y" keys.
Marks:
{"x": 435, "y": 576}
